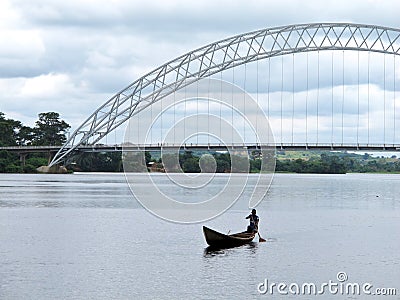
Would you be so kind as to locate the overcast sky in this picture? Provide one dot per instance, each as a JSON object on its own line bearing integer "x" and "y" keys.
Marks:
{"x": 71, "y": 56}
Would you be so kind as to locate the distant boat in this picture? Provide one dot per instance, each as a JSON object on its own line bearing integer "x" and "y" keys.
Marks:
{"x": 219, "y": 240}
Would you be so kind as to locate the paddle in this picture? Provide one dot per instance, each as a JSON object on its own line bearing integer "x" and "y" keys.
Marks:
{"x": 260, "y": 239}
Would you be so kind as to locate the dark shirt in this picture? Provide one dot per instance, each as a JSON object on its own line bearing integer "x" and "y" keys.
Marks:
{"x": 253, "y": 220}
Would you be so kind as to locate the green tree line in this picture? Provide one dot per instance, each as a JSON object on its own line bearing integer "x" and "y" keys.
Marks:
{"x": 339, "y": 163}
{"x": 49, "y": 130}
{"x": 324, "y": 163}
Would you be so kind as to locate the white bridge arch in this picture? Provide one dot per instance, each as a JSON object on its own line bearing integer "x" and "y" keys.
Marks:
{"x": 222, "y": 55}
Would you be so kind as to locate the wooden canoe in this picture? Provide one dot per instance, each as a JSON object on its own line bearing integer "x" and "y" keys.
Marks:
{"x": 220, "y": 240}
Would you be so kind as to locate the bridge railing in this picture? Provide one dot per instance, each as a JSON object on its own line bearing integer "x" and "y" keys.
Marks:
{"x": 212, "y": 146}
{"x": 22, "y": 148}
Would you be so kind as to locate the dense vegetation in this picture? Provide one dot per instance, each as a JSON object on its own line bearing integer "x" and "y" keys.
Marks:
{"x": 339, "y": 163}
{"x": 51, "y": 130}
{"x": 48, "y": 130}
{"x": 322, "y": 162}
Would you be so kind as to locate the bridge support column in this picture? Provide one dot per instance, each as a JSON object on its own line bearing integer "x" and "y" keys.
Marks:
{"x": 22, "y": 158}
{"x": 50, "y": 156}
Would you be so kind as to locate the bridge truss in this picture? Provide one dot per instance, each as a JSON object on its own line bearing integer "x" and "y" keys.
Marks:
{"x": 222, "y": 55}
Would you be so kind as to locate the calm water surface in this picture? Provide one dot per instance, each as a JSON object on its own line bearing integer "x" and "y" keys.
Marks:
{"x": 83, "y": 236}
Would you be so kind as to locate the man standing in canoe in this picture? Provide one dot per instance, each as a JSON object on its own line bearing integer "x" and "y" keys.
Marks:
{"x": 254, "y": 219}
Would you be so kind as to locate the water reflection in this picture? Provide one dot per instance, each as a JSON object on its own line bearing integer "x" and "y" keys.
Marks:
{"x": 351, "y": 191}
{"x": 269, "y": 240}
{"x": 213, "y": 251}
{"x": 48, "y": 204}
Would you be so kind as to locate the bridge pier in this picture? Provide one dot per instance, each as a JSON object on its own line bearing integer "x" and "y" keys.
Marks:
{"x": 56, "y": 169}
{"x": 22, "y": 158}
{"x": 50, "y": 156}
{"x": 23, "y": 155}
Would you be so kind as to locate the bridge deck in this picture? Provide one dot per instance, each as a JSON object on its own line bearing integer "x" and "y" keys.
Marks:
{"x": 155, "y": 147}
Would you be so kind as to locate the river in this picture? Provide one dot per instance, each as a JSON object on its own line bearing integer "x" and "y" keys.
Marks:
{"x": 84, "y": 236}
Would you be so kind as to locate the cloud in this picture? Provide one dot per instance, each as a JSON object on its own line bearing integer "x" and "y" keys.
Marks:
{"x": 183, "y": 16}
{"x": 71, "y": 56}
{"x": 20, "y": 52}
{"x": 25, "y": 98}
{"x": 45, "y": 87}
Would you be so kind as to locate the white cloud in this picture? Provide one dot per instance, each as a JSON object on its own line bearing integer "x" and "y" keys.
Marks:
{"x": 45, "y": 87}
{"x": 8, "y": 15}
{"x": 21, "y": 48}
{"x": 21, "y": 44}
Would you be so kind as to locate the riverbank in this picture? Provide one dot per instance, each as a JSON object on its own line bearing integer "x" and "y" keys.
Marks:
{"x": 314, "y": 162}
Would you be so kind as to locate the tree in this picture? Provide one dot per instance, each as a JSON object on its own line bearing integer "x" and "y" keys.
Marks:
{"x": 240, "y": 164}
{"x": 147, "y": 156}
{"x": 170, "y": 162}
{"x": 50, "y": 130}
{"x": 8, "y": 162}
{"x": 134, "y": 162}
{"x": 207, "y": 163}
{"x": 8, "y": 131}
{"x": 223, "y": 161}
{"x": 25, "y": 136}
{"x": 191, "y": 165}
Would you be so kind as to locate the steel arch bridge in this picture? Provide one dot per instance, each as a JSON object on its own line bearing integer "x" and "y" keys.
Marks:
{"x": 222, "y": 55}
